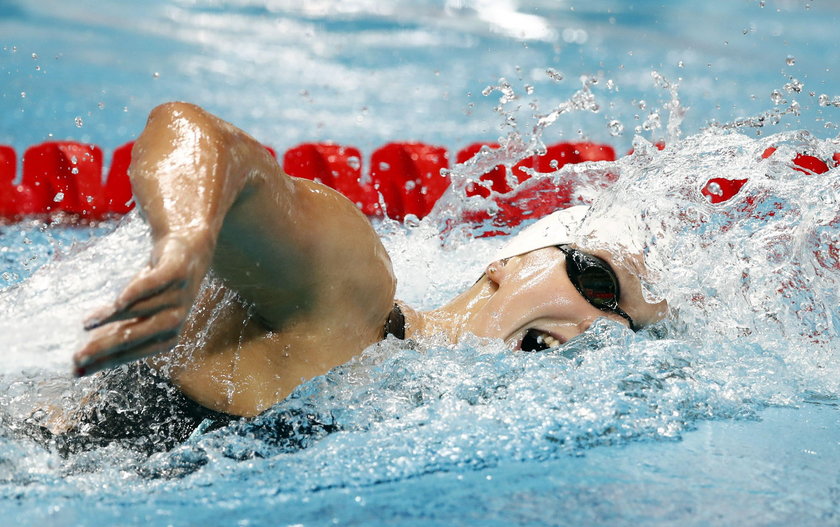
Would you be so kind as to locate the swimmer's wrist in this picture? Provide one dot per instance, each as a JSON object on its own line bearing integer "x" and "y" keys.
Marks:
{"x": 194, "y": 236}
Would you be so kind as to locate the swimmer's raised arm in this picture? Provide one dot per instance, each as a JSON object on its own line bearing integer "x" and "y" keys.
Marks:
{"x": 213, "y": 195}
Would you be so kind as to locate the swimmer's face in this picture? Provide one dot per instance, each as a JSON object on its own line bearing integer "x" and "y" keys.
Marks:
{"x": 531, "y": 297}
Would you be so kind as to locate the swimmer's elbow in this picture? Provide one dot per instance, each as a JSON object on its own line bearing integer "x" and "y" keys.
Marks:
{"x": 182, "y": 118}
{"x": 175, "y": 109}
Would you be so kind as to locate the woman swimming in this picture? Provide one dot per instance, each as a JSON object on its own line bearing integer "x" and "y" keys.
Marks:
{"x": 314, "y": 282}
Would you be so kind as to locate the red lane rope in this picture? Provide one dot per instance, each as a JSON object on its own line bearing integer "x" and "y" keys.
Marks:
{"x": 404, "y": 178}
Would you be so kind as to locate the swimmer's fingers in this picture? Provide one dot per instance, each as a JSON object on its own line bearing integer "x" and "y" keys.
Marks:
{"x": 172, "y": 279}
{"x": 127, "y": 341}
{"x": 149, "y": 304}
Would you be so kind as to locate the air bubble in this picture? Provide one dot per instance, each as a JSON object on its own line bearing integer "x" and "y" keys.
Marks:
{"x": 790, "y": 60}
{"x": 354, "y": 162}
{"x": 59, "y": 197}
{"x": 79, "y": 122}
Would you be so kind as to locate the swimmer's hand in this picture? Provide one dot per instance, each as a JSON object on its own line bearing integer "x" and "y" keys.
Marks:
{"x": 148, "y": 315}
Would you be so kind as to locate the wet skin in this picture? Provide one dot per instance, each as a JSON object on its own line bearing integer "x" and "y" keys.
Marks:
{"x": 313, "y": 283}
{"x": 533, "y": 291}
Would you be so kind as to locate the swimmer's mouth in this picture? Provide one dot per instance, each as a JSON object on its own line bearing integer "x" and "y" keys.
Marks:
{"x": 536, "y": 340}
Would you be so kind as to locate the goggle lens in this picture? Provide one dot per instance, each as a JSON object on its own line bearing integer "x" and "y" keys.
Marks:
{"x": 595, "y": 281}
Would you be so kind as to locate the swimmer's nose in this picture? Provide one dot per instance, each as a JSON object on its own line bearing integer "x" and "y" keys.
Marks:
{"x": 496, "y": 270}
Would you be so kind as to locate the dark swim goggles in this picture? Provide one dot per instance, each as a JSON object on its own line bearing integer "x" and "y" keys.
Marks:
{"x": 595, "y": 281}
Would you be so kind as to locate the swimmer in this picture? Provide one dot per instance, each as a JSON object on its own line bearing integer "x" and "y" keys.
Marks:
{"x": 313, "y": 281}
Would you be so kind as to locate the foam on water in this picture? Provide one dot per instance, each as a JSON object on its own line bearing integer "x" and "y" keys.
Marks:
{"x": 752, "y": 286}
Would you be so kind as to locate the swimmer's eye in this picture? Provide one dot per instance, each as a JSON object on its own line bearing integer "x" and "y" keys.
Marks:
{"x": 535, "y": 340}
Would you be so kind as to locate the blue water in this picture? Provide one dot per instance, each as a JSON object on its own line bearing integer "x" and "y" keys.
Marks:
{"x": 729, "y": 417}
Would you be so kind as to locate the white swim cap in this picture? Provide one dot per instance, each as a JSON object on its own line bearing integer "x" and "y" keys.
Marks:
{"x": 555, "y": 229}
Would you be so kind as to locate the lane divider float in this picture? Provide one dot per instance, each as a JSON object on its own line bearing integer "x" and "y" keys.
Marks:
{"x": 404, "y": 178}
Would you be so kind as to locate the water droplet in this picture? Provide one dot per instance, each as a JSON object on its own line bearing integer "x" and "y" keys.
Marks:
{"x": 411, "y": 220}
{"x": 487, "y": 91}
{"x": 156, "y": 75}
{"x": 383, "y": 166}
{"x": 35, "y": 56}
{"x": 776, "y": 97}
{"x": 23, "y": 95}
{"x": 790, "y": 60}
{"x": 74, "y": 170}
{"x": 680, "y": 64}
{"x": 79, "y": 122}
{"x": 652, "y": 122}
{"x": 59, "y": 197}
{"x": 354, "y": 162}
{"x": 101, "y": 105}
{"x": 615, "y": 128}
{"x": 554, "y": 75}
{"x": 794, "y": 86}
{"x": 529, "y": 89}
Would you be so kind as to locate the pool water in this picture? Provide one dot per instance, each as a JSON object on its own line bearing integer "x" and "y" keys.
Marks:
{"x": 727, "y": 414}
